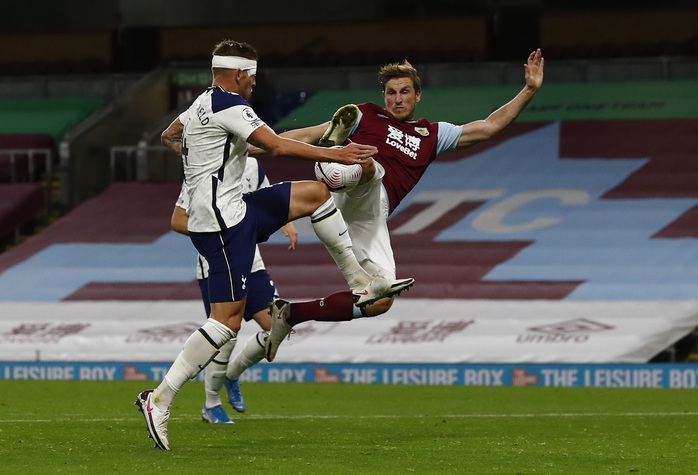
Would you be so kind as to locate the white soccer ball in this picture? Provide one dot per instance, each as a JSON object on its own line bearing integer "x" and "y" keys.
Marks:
{"x": 338, "y": 177}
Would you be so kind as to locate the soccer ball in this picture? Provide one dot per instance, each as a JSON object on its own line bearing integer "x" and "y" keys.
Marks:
{"x": 338, "y": 177}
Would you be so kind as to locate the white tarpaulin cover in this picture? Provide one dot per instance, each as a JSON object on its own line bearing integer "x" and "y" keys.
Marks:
{"x": 413, "y": 331}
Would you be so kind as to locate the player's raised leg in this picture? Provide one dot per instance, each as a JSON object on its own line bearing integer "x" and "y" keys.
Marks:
{"x": 328, "y": 224}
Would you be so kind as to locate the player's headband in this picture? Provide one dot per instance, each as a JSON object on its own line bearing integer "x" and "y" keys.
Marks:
{"x": 235, "y": 62}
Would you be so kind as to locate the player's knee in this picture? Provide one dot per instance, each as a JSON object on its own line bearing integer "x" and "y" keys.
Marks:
{"x": 322, "y": 192}
{"x": 310, "y": 193}
{"x": 308, "y": 198}
{"x": 228, "y": 316}
{"x": 319, "y": 195}
{"x": 234, "y": 324}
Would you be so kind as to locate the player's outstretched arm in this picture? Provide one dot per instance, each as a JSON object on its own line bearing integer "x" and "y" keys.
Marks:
{"x": 266, "y": 139}
{"x": 481, "y": 130}
{"x": 310, "y": 135}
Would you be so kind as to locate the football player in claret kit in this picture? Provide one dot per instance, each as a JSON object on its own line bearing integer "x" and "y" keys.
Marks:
{"x": 406, "y": 147}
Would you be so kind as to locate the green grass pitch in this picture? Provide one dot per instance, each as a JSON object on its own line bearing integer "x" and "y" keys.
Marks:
{"x": 93, "y": 427}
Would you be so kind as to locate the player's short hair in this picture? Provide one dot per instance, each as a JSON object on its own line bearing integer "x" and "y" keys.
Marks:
{"x": 235, "y": 48}
{"x": 400, "y": 70}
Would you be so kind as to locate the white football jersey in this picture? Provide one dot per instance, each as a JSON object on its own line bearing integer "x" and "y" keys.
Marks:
{"x": 214, "y": 152}
{"x": 253, "y": 178}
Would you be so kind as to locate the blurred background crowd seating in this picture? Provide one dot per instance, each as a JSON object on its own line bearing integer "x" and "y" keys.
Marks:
{"x": 87, "y": 86}
{"x": 83, "y": 37}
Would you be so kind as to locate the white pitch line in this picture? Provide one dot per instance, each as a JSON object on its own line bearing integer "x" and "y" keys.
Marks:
{"x": 78, "y": 417}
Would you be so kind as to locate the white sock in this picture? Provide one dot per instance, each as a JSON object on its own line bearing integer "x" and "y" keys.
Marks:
{"x": 251, "y": 354}
{"x": 215, "y": 374}
{"x": 198, "y": 351}
{"x": 328, "y": 224}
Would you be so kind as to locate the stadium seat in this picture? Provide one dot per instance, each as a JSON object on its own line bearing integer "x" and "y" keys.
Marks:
{"x": 20, "y": 203}
{"x": 23, "y": 157}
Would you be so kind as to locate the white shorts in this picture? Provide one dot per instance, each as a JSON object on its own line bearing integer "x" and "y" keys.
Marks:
{"x": 365, "y": 210}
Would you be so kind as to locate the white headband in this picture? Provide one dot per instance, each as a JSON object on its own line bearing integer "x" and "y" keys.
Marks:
{"x": 235, "y": 62}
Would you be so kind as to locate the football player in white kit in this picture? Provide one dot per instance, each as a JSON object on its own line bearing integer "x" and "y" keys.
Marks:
{"x": 225, "y": 225}
{"x": 223, "y": 369}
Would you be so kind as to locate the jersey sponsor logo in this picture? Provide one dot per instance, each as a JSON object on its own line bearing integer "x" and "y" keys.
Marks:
{"x": 406, "y": 143}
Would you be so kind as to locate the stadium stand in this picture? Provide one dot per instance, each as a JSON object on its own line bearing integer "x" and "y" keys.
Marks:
{"x": 316, "y": 54}
{"x": 20, "y": 204}
{"x": 619, "y": 33}
{"x": 56, "y": 52}
{"x": 328, "y": 44}
{"x": 669, "y": 174}
{"x": 474, "y": 31}
{"x": 25, "y": 157}
{"x": 29, "y": 130}
{"x": 651, "y": 188}
{"x": 31, "y": 127}
{"x": 135, "y": 213}
{"x": 53, "y": 116}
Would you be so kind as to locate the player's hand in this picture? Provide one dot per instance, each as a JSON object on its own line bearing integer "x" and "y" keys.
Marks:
{"x": 533, "y": 70}
{"x": 289, "y": 230}
{"x": 354, "y": 153}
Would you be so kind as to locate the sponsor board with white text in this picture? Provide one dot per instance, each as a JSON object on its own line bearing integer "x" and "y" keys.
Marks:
{"x": 677, "y": 376}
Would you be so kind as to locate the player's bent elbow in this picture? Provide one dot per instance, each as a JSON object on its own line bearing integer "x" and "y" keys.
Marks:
{"x": 179, "y": 221}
